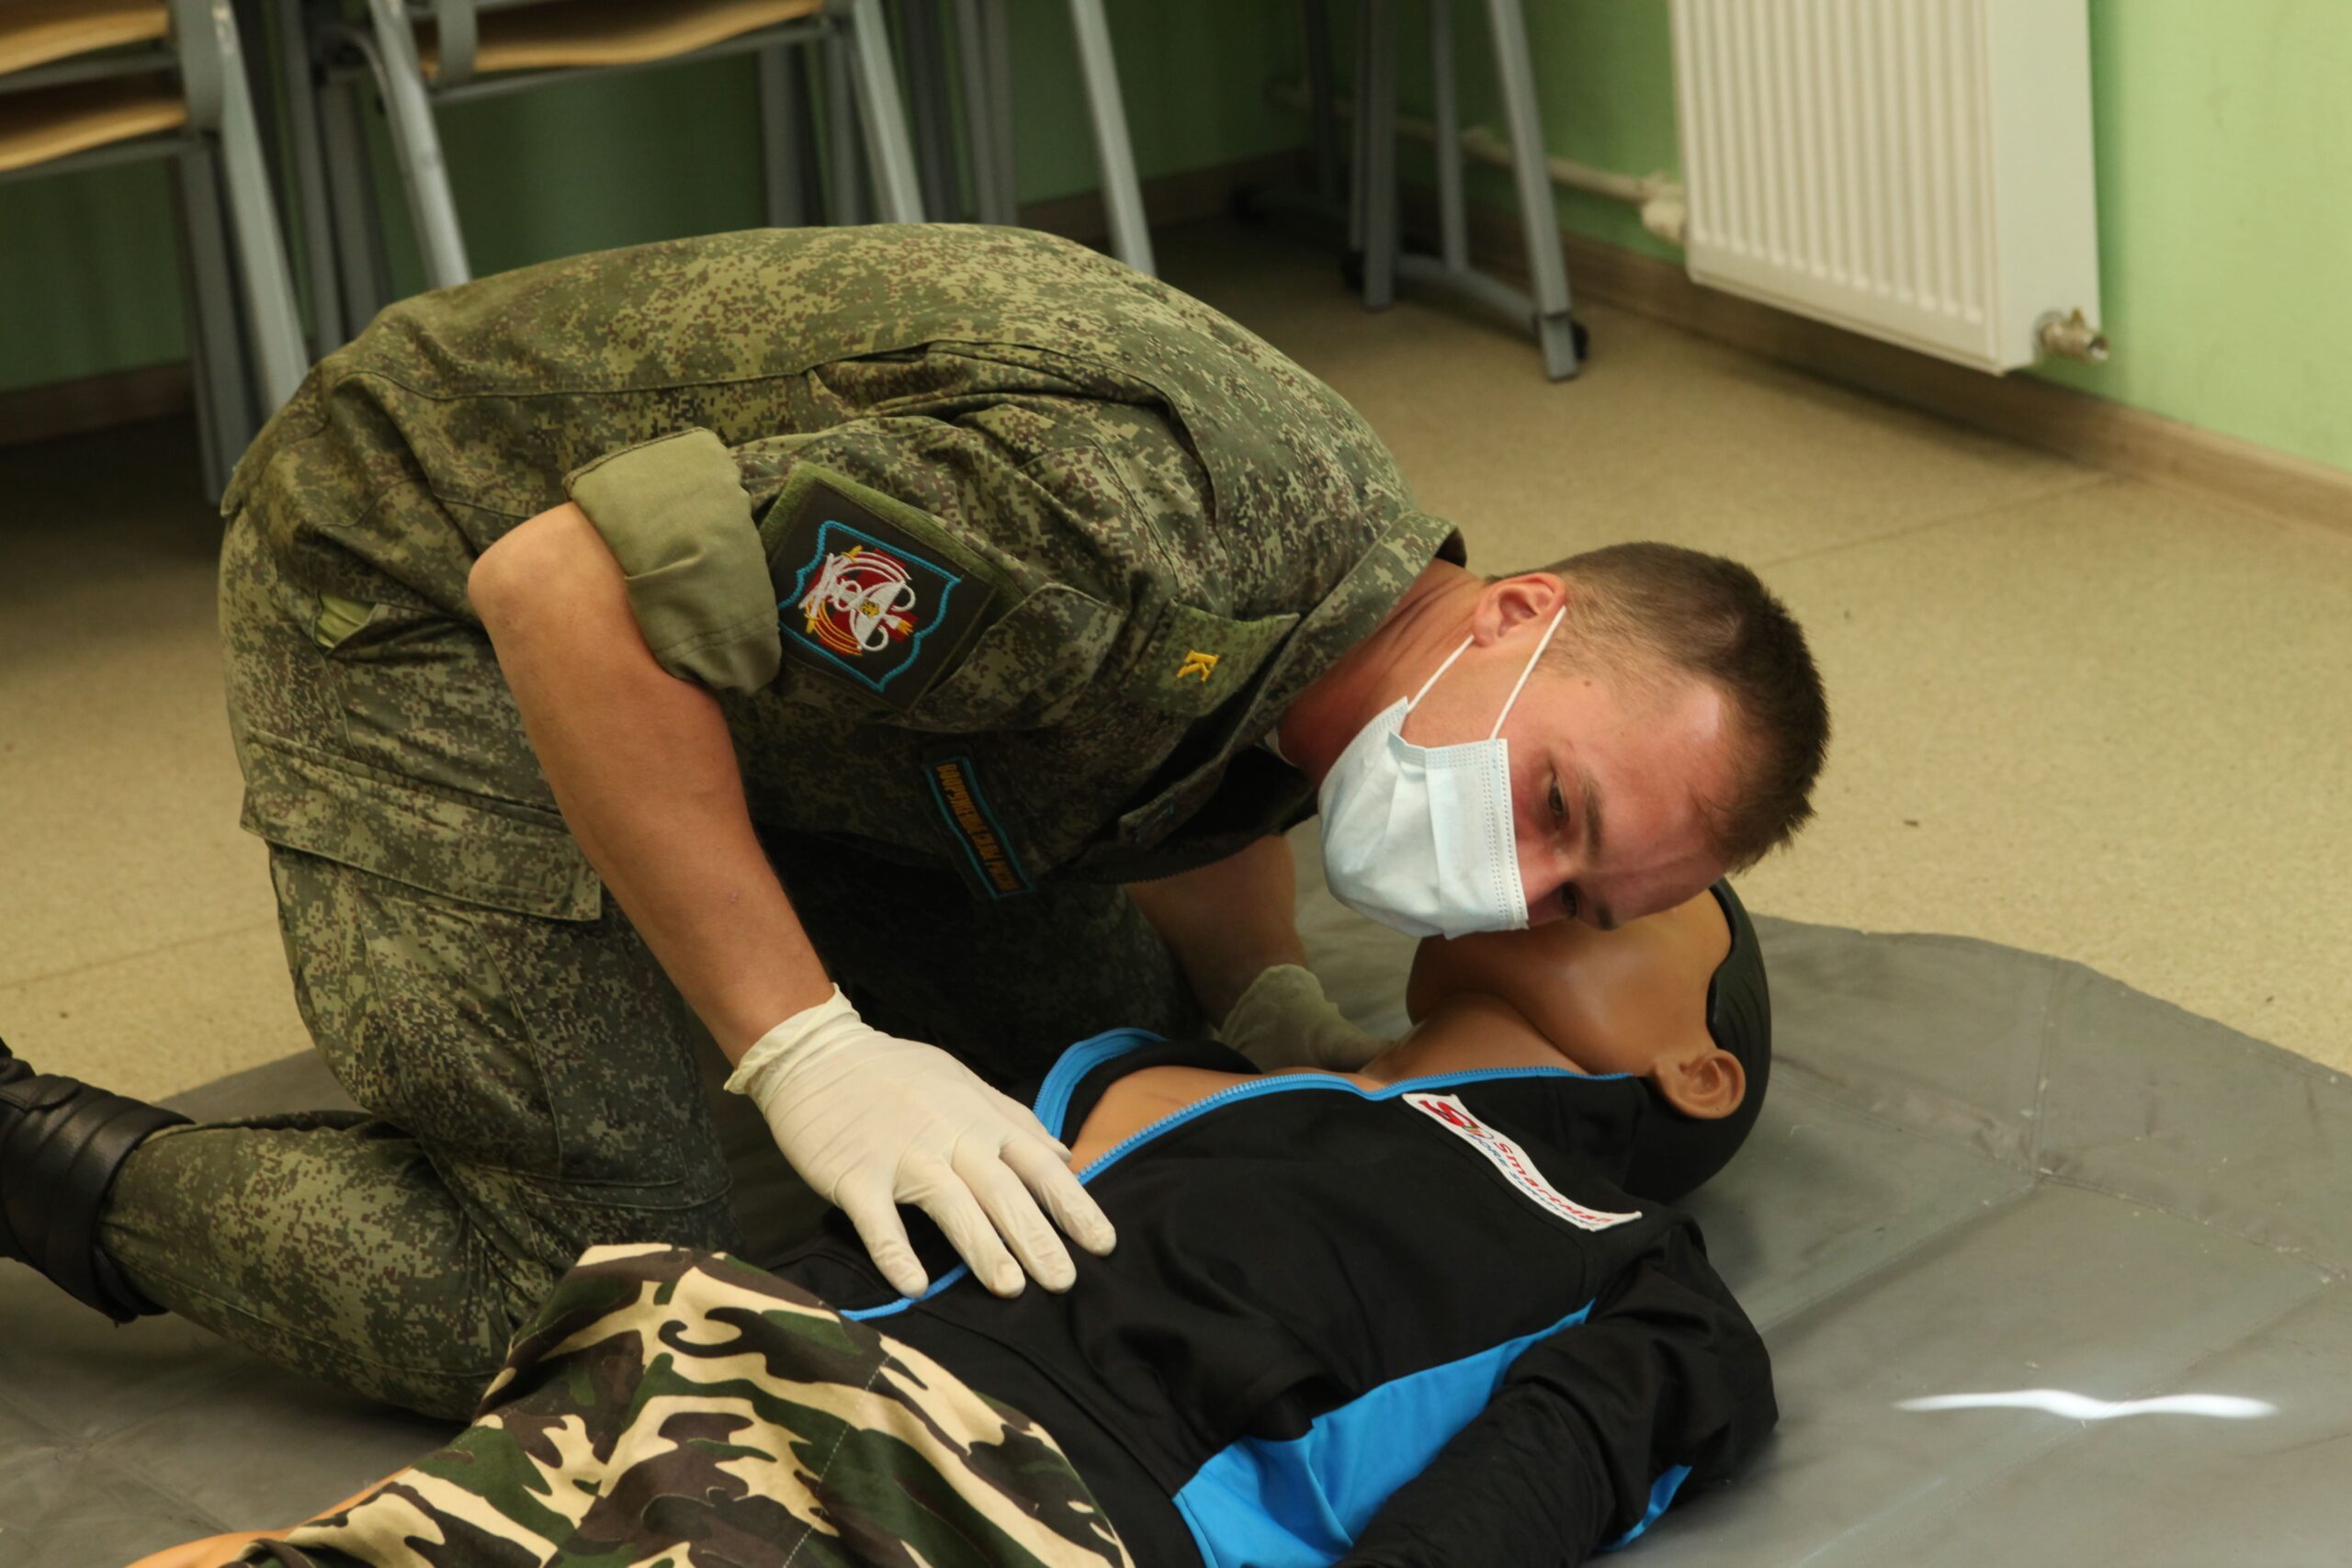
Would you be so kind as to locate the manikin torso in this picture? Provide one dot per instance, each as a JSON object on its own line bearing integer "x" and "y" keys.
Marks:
{"x": 1468, "y": 1030}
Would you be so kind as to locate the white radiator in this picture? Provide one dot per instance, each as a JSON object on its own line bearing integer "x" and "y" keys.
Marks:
{"x": 1917, "y": 170}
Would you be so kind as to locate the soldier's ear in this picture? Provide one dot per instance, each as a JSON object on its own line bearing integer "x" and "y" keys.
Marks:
{"x": 1509, "y": 603}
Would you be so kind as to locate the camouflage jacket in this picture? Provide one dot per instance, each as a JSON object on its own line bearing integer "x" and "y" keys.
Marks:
{"x": 1000, "y": 553}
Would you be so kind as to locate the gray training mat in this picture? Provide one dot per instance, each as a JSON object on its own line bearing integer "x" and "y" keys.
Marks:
{"x": 1981, "y": 1171}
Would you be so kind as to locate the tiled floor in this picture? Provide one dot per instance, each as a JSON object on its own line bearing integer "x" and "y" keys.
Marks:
{"x": 2077, "y": 714}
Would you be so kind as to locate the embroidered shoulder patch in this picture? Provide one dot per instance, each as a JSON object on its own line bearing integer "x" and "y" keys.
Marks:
{"x": 866, "y": 597}
{"x": 1518, "y": 1168}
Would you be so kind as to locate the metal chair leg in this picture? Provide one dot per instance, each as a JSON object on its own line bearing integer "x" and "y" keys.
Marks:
{"x": 303, "y": 145}
{"x": 224, "y": 394}
{"x": 1332, "y": 189}
{"x": 924, "y": 52}
{"x": 1454, "y": 227}
{"x": 416, "y": 144}
{"x": 271, "y": 312}
{"x": 1360, "y": 140}
{"x": 846, "y": 180}
{"x": 996, "y": 22}
{"x": 1115, "y": 154}
{"x": 210, "y": 474}
{"x": 1315, "y": 22}
{"x": 988, "y": 201}
{"x": 809, "y": 66}
{"x": 1546, "y": 263}
{"x": 1378, "y": 112}
{"x": 364, "y": 280}
{"x": 881, "y": 112}
{"x": 781, "y": 90}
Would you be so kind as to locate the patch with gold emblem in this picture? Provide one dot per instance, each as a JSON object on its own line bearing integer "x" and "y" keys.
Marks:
{"x": 861, "y": 596}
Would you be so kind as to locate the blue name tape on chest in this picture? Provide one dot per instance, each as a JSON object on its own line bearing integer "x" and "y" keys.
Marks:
{"x": 989, "y": 861}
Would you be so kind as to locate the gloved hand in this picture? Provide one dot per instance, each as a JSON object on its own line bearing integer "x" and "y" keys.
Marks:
{"x": 1283, "y": 1019}
{"x": 871, "y": 1121}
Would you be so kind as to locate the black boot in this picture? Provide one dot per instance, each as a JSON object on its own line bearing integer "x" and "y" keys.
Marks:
{"x": 61, "y": 1143}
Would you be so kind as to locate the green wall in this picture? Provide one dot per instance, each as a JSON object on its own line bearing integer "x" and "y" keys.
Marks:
{"x": 2224, "y": 160}
{"x": 1604, "y": 77}
{"x": 89, "y": 272}
{"x": 2225, "y": 216}
{"x": 2224, "y": 152}
{"x": 88, "y": 276}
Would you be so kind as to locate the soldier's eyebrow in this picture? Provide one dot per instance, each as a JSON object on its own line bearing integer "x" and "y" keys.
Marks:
{"x": 1592, "y": 814}
{"x": 1602, "y": 915}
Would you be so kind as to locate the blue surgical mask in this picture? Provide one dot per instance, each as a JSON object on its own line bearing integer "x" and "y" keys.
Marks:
{"x": 1420, "y": 838}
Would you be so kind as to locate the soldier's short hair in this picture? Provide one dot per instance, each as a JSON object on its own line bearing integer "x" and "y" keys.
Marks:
{"x": 1643, "y": 610}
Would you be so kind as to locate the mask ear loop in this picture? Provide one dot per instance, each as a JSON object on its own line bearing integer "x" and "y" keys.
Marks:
{"x": 1524, "y": 675}
{"x": 1439, "y": 671}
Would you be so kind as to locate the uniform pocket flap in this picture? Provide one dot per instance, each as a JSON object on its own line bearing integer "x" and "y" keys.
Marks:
{"x": 1025, "y": 670}
{"x": 491, "y": 852}
{"x": 1196, "y": 663}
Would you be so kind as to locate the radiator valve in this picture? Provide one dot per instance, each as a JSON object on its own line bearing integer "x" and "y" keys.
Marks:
{"x": 2070, "y": 338}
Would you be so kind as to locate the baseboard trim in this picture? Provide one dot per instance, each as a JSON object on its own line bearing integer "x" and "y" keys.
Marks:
{"x": 2094, "y": 431}
{"x": 1170, "y": 198}
{"x": 2090, "y": 430}
{"x": 63, "y": 409}
{"x": 60, "y": 409}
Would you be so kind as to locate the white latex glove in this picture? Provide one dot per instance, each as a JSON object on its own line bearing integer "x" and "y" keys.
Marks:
{"x": 871, "y": 1121}
{"x": 1283, "y": 1019}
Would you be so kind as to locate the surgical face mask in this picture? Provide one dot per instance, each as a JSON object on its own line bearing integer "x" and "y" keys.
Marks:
{"x": 1421, "y": 838}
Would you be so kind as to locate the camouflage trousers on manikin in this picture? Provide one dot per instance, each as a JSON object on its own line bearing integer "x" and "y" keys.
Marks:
{"x": 678, "y": 1407}
{"x": 530, "y": 1084}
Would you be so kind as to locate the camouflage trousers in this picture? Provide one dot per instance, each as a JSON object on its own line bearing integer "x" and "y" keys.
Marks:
{"x": 530, "y": 1084}
{"x": 683, "y": 1408}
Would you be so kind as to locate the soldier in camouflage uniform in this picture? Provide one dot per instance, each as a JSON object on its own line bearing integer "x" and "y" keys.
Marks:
{"x": 996, "y": 560}
{"x": 1146, "y": 528}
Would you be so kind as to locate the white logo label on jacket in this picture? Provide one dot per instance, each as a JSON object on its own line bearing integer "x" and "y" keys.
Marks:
{"x": 1513, "y": 1162}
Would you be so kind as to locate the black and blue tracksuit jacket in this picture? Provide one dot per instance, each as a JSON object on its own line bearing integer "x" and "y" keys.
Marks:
{"x": 1410, "y": 1328}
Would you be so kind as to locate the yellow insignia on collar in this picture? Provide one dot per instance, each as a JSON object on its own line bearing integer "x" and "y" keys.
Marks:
{"x": 1195, "y": 661}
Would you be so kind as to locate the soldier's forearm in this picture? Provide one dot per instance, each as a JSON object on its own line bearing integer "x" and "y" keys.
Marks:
{"x": 1228, "y": 921}
{"x": 645, "y": 773}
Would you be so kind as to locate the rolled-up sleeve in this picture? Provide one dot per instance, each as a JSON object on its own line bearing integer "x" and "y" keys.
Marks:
{"x": 674, "y": 514}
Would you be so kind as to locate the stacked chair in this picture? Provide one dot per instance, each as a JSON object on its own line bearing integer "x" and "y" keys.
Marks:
{"x": 85, "y": 82}
{"x": 1373, "y": 211}
{"x": 984, "y": 61}
{"x": 90, "y": 81}
{"x": 416, "y": 55}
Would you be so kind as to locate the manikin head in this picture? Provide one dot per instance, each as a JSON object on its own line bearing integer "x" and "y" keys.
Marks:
{"x": 1668, "y": 731}
{"x": 1677, "y": 999}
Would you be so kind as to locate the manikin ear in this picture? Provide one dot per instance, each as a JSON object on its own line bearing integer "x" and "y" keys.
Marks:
{"x": 1507, "y": 602}
{"x": 1705, "y": 1086}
